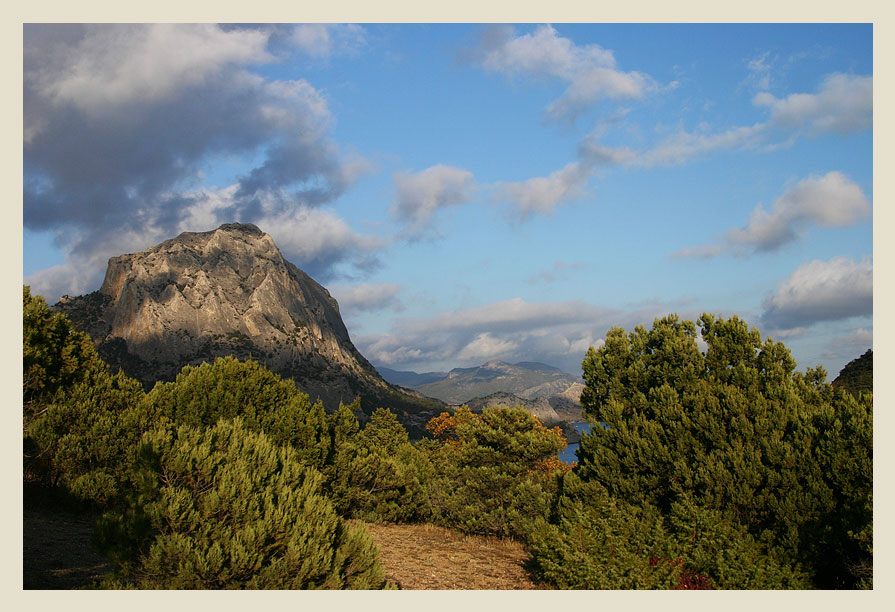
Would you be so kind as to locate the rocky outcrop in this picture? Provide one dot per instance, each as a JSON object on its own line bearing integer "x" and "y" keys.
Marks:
{"x": 226, "y": 292}
{"x": 540, "y": 407}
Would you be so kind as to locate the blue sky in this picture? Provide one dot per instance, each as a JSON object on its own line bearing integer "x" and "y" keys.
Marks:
{"x": 473, "y": 192}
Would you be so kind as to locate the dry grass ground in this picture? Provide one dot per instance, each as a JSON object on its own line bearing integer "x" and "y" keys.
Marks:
{"x": 430, "y": 557}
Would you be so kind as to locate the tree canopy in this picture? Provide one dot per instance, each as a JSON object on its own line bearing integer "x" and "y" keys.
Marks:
{"x": 857, "y": 375}
{"x": 55, "y": 356}
{"x": 734, "y": 430}
{"x": 224, "y": 507}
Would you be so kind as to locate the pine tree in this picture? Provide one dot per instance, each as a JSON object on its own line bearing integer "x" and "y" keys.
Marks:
{"x": 80, "y": 422}
{"x": 229, "y": 388}
{"x": 857, "y": 375}
{"x": 597, "y": 542}
{"x": 494, "y": 472}
{"x": 224, "y": 389}
{"x": 87, "y": 438}
{"x": 376, "y": 474}
{"x": 224, "y": 507}
{"x": 54, "y": 355}
{"x": 736, "y": 432}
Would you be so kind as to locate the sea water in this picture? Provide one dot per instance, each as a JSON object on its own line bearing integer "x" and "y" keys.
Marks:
{"x": 568, "y": 455}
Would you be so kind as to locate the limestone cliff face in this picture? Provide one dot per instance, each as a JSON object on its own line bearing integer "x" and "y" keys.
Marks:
{"x": 223, "y": 292}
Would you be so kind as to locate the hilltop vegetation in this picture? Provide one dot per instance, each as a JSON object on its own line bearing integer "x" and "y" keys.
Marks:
{"x": 723, "y": 469}
{"x": 857, "y": 375}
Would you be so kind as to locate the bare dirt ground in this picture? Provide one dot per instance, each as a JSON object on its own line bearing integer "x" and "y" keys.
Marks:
{"x": 430, "y": 557}
{"x": 57, "y": 553}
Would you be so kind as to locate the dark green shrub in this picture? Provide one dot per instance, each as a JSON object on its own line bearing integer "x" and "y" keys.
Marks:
{"x": 495, "y": 473}
{"x": 597, "y": 542}
{"x": 224, "y": 507}
{"x": 857, "y": 375}
{"x": 305, "y": 426}
{"x": 710, "y": 544}
{"x": 227, "y": 388}
{"x": 376, "y": 474}
{"x": 486, "y": 500}
{"x": 88, "y": 436}
{"x": 735, "y": 431}
{"x": 843, "y": 448}
{"x": 80, "y": 422}
{"x": 55, "y": 358}
{"x": 54, "y": 355}
{"x": 343, "y": 423}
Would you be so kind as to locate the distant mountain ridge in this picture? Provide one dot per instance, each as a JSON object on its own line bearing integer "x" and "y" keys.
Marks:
{"x": 544, "y": 390}
{"x": 405, "y": 378}
{"x": 230, "y": 291}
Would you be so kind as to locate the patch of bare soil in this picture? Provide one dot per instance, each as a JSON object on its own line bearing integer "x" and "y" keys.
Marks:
{"x": 57, "y": 552}
{"x": 430, "y": 557}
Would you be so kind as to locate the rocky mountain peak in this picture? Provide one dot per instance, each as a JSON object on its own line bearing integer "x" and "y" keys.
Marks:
{"x": 227, "y": 291}
{"x": 246, "y": 228}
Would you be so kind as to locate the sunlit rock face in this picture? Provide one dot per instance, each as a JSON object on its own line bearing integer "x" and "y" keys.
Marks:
{"x": 223, "y": 292}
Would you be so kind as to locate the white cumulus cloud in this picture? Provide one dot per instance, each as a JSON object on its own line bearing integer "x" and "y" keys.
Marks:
{"x": 484, "y": 347}
{"x": 367, "y": 297}
{"x": 326, "y": 39}
{"x": 109, "y": 66}
{"x": 843, "y": 104}
{"x": 589, "y": 71}
{"x": 831, "y": 200}
{"x": 419, "y": 195}
{"x": 817, "y": 291}
{"x": 541, "y": 195}
{"x": 316, "y": 240}
{"x": 121, "y": 121}
{"x": 557, "y": 333}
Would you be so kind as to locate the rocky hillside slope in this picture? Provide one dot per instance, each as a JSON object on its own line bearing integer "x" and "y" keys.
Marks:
{"x": 549, "y": 410}
{"x": 547, "y": 392}
{"x": 229, "y": 292}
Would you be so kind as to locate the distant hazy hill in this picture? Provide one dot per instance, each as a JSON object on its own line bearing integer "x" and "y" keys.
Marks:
{"x": 499, "y": 382}
{"x": 409, "y": 379}
{"x": 857, "y": 375}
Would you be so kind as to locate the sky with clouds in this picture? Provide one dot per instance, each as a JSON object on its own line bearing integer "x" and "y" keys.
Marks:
{"x": 474, "y": 192}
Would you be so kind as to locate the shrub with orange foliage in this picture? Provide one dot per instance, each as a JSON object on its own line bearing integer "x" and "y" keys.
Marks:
{"x": 444, "y": 426}
{"x": 550, "y": 465}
